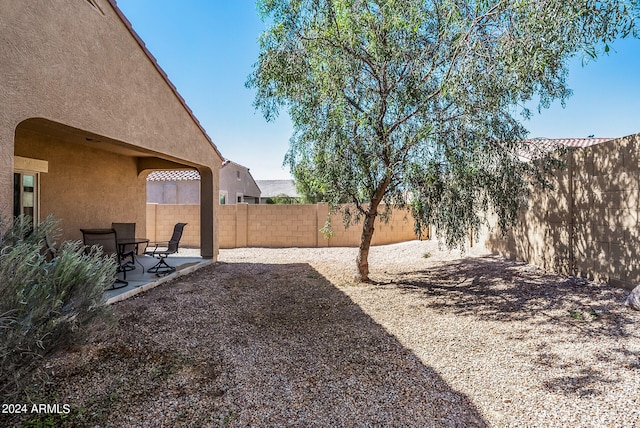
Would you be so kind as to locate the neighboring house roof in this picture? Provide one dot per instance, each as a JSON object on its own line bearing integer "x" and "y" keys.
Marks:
{"x": 271, "y": 188}
{"x": 567, "y": 142}
{"x": 229, "y": 162}
{"x": 184, "y": 175}
{"x": 539, "y": 146}
{"x": 162, "y": 73}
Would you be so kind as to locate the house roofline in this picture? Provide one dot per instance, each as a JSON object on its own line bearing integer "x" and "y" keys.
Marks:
{"x": 153, "y": 60}
{"x": 226, "y": 162}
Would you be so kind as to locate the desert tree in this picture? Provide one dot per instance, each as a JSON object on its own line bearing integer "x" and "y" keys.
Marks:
{"x": 421, "y": 103}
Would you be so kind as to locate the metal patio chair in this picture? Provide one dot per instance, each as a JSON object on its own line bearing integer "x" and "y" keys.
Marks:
{"x": 127, "y": 231}
{"x": 108, "y": 241}
{"x": 161, "y": 250}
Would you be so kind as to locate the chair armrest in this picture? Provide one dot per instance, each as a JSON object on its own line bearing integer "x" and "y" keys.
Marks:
{"x": 155, "y": 246}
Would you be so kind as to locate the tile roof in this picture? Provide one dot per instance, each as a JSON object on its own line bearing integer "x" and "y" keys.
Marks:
{"x": 567, "y": 142}
{"x": 182, "y": 175}
{"x": 539, "y": 146}
{"x": 271, "y": 188}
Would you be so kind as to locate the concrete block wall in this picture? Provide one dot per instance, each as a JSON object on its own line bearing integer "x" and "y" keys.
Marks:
{"x": 161, "y": 218}
{"x": 249, "y": 225}
{"x": 398, "y": 229}
{"x": 281, "y": 226}
{"x": 588, "y": 225}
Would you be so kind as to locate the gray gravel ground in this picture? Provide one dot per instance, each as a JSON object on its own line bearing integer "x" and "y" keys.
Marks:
{"x": 282, "y": 337}
{"x": 525, "y": 347}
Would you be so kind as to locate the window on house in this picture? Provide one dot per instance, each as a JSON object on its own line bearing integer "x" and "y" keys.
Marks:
{"x": 238, "y": 175}
{"x": 239, "y": 198}
{"x": 25, "y": 195}
{"x": 223, "y": 197}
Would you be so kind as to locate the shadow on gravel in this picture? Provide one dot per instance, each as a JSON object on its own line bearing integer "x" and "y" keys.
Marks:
{"x": 305, "y": 354}
{"x": 562, "y": 309}
{"x": 493, "y": 288}
{"x": 251, "y": 345}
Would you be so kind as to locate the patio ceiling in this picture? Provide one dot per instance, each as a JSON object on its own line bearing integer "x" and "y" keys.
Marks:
{"x": 148, "y": 159}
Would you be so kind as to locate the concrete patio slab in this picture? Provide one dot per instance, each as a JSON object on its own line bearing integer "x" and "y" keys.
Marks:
{"x": 139, "y": 281}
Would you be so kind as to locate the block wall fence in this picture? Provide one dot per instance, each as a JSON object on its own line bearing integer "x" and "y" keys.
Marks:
{"x": 248, "y": 225}
{"x": 588, "y": 225}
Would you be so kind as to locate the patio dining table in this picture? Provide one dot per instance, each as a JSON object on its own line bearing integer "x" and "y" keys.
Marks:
{"x": 122, "y": 243}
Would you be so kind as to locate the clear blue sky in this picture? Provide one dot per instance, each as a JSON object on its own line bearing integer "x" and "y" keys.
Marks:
{"x": 208, "y": 47}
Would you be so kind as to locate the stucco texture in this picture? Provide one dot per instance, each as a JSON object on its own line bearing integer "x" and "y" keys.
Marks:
{"x": 79, "y": 90}
{"x": 588, "y": 224}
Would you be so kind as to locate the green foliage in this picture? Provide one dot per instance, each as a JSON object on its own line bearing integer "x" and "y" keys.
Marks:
{"x": 46, "y": 303}
{"x": 282, "y": 200}
{"x": 588, "y": 314}
{"x": 420, "y": 102}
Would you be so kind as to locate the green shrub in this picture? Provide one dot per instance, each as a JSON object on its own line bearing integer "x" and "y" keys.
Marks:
{"x": 282, "y": 199}
{"x": 46, "y": 303}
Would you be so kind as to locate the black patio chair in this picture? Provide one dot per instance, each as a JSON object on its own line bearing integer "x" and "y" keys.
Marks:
{"x": 127, "y": 231}
{"x": 161, "y": 250}
{"x": 107, "y": 240}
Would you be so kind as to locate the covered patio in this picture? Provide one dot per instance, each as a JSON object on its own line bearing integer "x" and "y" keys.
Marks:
{"x": 185, "y": 261}
{"x": 89, "y": 181}
{"x": 87, "y": 118}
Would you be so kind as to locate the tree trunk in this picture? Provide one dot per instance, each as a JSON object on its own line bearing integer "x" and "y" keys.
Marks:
{"x": 362, "y": 261}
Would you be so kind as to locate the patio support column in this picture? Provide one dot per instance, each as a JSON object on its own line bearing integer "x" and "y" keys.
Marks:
{"x": 6, "y": 171}
{"x": 207, "y": 231}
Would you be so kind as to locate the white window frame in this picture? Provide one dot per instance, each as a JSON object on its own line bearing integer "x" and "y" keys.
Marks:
{"x": 239, "y": 198}
{"x": 225, "y": 194}
{"x": 36, "y": 193}
{"x": 35, "y": 167}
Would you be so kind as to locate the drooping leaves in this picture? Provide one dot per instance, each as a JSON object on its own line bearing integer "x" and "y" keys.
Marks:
{"x": 420, "y": 101}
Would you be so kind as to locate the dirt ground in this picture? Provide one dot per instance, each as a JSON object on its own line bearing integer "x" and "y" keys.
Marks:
{"x": 282, "y": 337}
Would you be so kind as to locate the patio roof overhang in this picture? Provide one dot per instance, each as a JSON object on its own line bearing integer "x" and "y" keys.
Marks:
{"x": 147, "y": 159}
{"x": 91, "y": 180}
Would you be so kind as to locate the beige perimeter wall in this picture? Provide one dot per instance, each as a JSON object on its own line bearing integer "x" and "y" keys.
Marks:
{"x": 588, "y": 225}
{"x": 248, "y": 225}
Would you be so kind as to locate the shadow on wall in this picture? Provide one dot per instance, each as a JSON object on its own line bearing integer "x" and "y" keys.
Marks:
{"x": 541, "y": 234}
{"x": 588, "y": 225}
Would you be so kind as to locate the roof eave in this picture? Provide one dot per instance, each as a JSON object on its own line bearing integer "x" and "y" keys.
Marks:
{"x": 153, "y": 60}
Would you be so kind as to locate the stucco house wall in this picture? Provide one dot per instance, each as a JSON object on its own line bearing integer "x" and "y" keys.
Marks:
{"x": 81, "y": 93}
{"x": 173, "y": 187}
{"x": 236, "y": 181}
{"x": 112, "y": 178}
{"x": 173, "y": 192}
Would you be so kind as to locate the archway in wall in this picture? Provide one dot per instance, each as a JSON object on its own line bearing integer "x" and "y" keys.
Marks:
{"x": 84, "y": 179}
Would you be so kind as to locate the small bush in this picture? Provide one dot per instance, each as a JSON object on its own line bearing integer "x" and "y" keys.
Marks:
{"x": 46, "y": 303}
{"x": 282, "y": 199}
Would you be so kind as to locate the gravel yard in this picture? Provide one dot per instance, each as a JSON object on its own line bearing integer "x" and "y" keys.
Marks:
{"x": 281, "y": 337}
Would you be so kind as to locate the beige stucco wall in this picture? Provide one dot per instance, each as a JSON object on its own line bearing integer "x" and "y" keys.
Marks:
{"x": 588, "y": 225}
{"x": 174, "y": 192}
{"x": 247, "y": 225}
{"x": 77, "y": 74}
{"x": 84, "y": 187}
{"x": 233, "y": 185}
